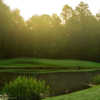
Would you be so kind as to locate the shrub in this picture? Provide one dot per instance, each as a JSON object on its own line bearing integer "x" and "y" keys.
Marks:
{"x": 26, "y": 89}
{"x": 96, "y": 80}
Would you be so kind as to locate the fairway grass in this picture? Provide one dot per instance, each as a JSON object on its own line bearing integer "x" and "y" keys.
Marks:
{"x": 48, "y": 63}
{"x": 89, "y": 94}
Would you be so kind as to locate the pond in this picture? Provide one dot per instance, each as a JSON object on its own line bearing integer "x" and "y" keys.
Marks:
{"x": 59, "y": 82}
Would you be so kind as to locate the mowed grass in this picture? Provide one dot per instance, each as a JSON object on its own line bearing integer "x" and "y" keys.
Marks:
{"x": 89, "y": 94}
{"x": 51, "y": 63}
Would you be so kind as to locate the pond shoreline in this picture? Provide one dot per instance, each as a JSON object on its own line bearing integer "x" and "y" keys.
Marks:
{"x": 60, "y": 82}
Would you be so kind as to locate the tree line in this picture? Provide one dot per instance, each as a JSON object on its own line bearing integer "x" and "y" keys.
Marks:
{"x": 73, "y": 35}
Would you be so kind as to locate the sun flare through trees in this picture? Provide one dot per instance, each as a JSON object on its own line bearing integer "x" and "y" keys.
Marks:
{"x": 75, "y": 34}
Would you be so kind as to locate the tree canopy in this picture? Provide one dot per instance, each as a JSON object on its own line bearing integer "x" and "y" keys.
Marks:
{"x": 73, "y": 35}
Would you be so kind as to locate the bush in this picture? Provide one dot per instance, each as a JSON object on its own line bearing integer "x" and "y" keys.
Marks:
{"x": 26, "y": 89}
{"x": 96, "y": 80}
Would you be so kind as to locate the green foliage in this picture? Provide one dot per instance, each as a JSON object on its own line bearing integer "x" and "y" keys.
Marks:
{"x": 96, "y": 80}
{"x": 26, "y": 89}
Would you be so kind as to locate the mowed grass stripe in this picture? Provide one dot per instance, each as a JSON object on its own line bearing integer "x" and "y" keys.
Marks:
{"x": 31, "y": 62}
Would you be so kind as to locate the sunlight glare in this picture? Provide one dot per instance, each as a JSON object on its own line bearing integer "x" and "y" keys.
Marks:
{"x": 31, "y": 7}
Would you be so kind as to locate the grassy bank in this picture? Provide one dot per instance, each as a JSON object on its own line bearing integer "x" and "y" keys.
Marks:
{"x": 48, "y": 63}
{"x": 89, "y": 94}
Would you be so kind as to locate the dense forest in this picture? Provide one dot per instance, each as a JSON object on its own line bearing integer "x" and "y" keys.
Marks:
{"x": 73, "y": 35}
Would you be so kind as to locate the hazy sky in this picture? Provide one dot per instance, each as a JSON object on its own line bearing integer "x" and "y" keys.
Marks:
{"x": 31, "y": 7}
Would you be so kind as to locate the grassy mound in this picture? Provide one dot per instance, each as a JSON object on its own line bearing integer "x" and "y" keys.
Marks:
{"x": 89, "y": 94}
